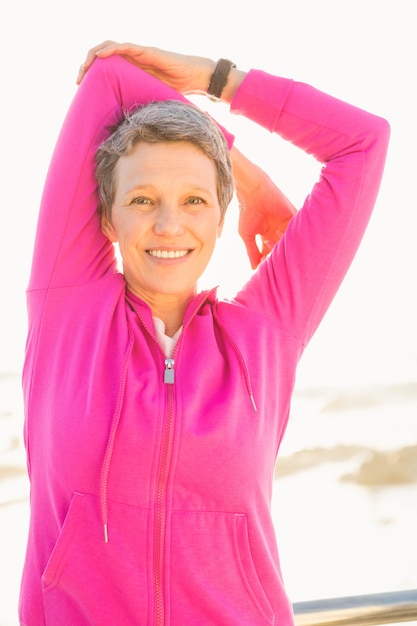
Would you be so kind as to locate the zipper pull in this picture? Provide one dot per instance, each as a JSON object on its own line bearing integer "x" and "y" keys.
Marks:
{"x": 169, "y": 371}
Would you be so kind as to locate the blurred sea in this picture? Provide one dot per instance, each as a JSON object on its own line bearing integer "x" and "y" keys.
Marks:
{"x": 345, "y": 496}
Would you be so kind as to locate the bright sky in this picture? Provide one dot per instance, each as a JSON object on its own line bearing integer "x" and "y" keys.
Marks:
{"x": 363, "y": 51}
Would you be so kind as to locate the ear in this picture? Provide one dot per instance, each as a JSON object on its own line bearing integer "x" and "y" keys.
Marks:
{"x": 108, "y": 229}
{"x": 220, "y": 228}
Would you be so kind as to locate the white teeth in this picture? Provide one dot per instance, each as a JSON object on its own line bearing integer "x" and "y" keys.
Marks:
{"x": 168, "y": 254}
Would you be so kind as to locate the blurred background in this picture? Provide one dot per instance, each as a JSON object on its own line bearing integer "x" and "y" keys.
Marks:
{"x": 346, "y": 483}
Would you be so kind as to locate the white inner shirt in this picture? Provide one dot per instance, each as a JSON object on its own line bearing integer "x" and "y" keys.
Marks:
{"x": 167, "y": 343}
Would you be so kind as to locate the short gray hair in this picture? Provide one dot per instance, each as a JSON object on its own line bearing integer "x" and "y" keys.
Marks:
{"x": 165, "y": 121}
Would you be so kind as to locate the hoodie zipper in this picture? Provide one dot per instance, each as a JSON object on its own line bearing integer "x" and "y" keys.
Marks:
{"x": 169, "y": 377}
{"x": 160, "y": 492}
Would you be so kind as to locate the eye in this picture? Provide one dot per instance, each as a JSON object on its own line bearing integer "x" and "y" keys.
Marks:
{"x": 141, "y": 200}
{"x": 195, "y": 200}
{"x": 142, "y": 203}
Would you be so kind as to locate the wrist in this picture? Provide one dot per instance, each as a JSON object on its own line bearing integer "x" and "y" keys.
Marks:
{"x": 234, "y": 81}
{"x": 224, "y": 81}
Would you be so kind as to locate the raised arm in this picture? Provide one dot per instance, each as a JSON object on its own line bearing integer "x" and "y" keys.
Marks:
{"x": 298, "y": 281}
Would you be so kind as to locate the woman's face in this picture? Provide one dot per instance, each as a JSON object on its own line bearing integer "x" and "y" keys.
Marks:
{"x": 166, "y": 218}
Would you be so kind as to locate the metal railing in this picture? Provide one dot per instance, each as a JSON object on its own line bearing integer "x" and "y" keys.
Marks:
{"x": 365, "y": 610}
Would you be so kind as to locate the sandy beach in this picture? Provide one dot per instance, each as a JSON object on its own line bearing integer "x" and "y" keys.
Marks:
{"x": 344, "y": 502}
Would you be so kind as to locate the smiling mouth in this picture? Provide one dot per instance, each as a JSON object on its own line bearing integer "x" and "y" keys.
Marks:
{"x": 168, "y": 254}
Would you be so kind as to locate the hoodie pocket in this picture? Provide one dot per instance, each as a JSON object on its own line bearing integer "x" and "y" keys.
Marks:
{"x": 213, "y": 576}
{"x": 66, "y": 540}
{"x": 87, "y": 581}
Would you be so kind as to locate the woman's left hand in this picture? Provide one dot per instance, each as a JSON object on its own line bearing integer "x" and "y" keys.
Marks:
{"x": 184, "y": 73}
{"x": 265, "y": 211}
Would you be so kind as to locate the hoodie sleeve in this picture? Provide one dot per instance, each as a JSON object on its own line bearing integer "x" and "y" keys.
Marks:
{"x": 70, "y": 248}
{"x": 297, "y": 282}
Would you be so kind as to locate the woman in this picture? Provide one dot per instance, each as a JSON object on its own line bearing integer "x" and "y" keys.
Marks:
{"x": 153, "y": 410}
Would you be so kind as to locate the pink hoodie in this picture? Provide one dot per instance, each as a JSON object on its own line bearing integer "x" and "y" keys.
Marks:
{"x": 179, "y": 473}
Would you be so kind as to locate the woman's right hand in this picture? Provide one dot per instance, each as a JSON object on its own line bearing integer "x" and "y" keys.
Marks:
{"x": 265, "y": 211}
{"x": 184, "y": 73}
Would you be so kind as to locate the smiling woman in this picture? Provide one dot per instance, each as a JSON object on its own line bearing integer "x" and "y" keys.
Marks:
{"x": 166, "y": 219}
{"x": 158, "y": 410}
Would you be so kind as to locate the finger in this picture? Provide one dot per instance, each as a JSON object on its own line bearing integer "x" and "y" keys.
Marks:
{"x": 95, "y": 50}
{"x": 265, "y": 250}
{"x": 267, "y": 245}
{"x": 81, "y": 73}
{"x": 272, "y": 240}
{"x": 252, "y": 251}
{"x": 92, "y": 55}
{"x": 112, "y": 47}
{"x": 89, "y": 60}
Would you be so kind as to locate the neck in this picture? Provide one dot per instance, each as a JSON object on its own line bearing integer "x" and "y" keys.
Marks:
{"x": 170, "y": 308}
{"x": 172, "y": 319}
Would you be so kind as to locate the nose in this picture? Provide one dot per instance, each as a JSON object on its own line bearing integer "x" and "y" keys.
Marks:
{"x": 168, "y": 221}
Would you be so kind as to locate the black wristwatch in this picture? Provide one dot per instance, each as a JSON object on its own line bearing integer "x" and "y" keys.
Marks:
{"x": 219, "y": 78}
